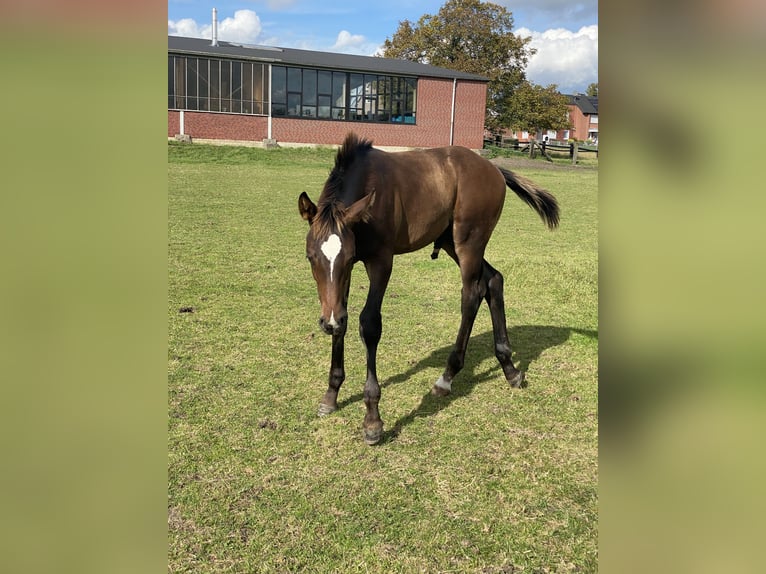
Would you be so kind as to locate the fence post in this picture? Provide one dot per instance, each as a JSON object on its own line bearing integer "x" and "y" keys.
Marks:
{"x": 574, "y": 153}
{"x": 532, "y": 149}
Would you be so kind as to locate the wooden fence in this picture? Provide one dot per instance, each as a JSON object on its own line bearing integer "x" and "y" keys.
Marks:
{"x": 532, "y": 147}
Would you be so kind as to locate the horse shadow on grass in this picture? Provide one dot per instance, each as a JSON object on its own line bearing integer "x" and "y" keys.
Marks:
{"x": 528, "y": 342}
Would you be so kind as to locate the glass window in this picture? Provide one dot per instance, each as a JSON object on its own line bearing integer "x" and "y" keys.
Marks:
{"x": 236, "y": 87}
{"x": 215, "y": 85}
{"x": 203, "y": 83}
{"x": 247, "y": 82}
{"x": 338, "y": 103}
{"x": 279, "y": 85}
{"x": 294, "y": 77}
{"x": 233, "y": 86}
{"x": 323, "y": 111}
{"x": 171, "y": 82}
{"x": 258, "y": 93}
{"x": 180, "y": 83}
{"x": 324, "y": 86}
{"x": 293, "y": 104}
{"x": 356, "y": 97}
{"x": 225, "y": 86}
{"x": 191, "y": 76}
{"x": 309, "y": 88}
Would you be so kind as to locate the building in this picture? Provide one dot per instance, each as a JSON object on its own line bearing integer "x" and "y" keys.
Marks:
{"x": 246, "y": 93}
{"x": 583, "y": 118}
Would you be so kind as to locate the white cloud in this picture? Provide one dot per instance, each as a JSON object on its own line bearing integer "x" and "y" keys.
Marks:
{"x": 186, "y": 27}
{"x": 349, "y": 43}
{"x": 244, "y": 27}
{"x": 348, "y": 40}
{"x": 565, "y": 58}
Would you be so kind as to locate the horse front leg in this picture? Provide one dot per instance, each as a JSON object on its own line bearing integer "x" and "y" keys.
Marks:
{"x": 472, "y": 294}
{"x": 329, "y": 402}
{"x": 371, "y": 330}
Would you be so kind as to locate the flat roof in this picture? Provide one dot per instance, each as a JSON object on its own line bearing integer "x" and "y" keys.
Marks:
{"x": 312, "y": 59}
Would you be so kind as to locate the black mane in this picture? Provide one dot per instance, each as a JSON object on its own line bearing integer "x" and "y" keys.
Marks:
{"x": 330, "y": 205}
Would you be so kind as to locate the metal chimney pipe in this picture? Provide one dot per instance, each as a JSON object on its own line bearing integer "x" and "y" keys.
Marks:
{"x": 215, "y": 28}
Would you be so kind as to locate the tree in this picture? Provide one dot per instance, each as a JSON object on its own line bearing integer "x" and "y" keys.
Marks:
{"x": 532, "y": 107}
{"x": 592, "y": 90}
{"x": 468, "y": 36}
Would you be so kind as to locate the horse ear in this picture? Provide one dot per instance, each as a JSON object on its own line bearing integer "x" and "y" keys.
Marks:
{"x": 359, "y": 210}
{"x": 306, "y": 207}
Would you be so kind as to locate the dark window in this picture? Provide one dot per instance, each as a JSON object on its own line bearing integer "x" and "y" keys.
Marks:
{"x": 293, "y": 104}
{"x": 294, "y": 80}
{"x": 191, "y": 83}
{"x": 325, "y": 82}
{"x": 356, "y": 97}
{"x": 236, "y": 87}
{"x": 203, "y": 83}
{"x": 309, "y": 87}
{"x": 247, "y": 88}
{"x": 309, "y": 94}
{"x": 180, "y": 83}
{"x": 325, "y": 94}
{"x": 323, "y": 110}
{"x": 171, "y": 82}
{"x": 217, "y": 85}
{"x": 338, "y": 102}
{"x": 259, "y": 94}
{"x": 279, "y": 85}
{"x": 278, "y": 91}
{"x": 225, "y": 86}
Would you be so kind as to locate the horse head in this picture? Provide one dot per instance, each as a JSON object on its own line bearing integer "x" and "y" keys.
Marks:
{"x": 331, "y": 251}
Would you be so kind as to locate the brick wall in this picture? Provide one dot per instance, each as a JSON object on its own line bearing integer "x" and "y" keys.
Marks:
{"x": 219, "y": 126}
{"x": 470, "y": 108}
{"x": 432, "y": 128}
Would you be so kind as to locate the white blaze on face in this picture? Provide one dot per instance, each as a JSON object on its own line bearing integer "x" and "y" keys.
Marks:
{"x": 331, "y": 249}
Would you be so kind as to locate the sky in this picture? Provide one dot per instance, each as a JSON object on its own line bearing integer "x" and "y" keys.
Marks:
{"x": 564, "y": 32}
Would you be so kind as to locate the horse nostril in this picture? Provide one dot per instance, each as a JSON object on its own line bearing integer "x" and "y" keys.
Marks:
{"x": 333, "y": 325}
{"x": 325, "y": 326}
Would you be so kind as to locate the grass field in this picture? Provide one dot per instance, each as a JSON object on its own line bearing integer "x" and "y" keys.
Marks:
{"x": 490, "y": 479}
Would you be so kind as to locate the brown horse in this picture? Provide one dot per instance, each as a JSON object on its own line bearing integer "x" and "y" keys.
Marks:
{"x": 375, "y": 205}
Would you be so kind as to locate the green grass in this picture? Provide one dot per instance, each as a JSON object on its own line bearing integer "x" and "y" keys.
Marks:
{"x": 490, "y": 479}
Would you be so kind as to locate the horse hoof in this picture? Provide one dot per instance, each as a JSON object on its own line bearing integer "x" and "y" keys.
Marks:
{"x": 325, "y": 410}
{"x": 372, "y": 437}
{"x": 441, "y": 387}
{"x": 439, "y": 391}
{"x": 518, "y": 380}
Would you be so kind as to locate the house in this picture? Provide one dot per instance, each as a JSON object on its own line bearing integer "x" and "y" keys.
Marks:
{"x": 583, "y": 118}
{"x": 263, "y": 94}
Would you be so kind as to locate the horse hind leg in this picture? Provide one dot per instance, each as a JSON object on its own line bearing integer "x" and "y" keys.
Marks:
{"x": 495, "y": 300}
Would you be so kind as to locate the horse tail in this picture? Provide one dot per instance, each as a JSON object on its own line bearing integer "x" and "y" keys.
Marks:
{"x": 537, "y": 198}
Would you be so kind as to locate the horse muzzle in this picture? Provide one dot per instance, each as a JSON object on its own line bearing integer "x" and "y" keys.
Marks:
{"x": 334, "y": 325}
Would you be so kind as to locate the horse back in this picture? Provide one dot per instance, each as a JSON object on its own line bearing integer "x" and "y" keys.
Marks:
{"x": 427, "y": 190}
